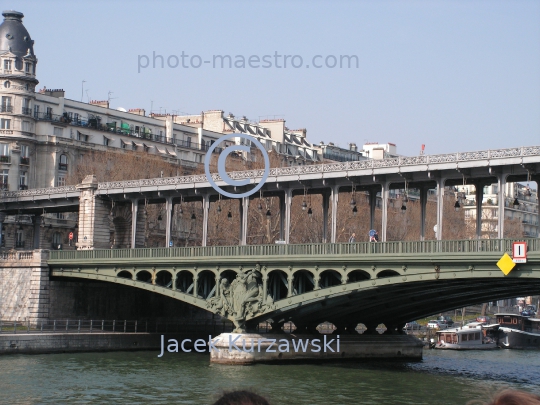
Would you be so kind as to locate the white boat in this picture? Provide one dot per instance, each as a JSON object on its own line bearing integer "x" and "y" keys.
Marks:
{"x": 469, "y": 337}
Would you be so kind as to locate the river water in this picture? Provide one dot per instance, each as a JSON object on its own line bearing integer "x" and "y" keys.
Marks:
{"x": 442, "y": 377}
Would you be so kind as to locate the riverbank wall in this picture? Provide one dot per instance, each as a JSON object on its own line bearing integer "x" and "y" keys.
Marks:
{"x": 41, "y": 343}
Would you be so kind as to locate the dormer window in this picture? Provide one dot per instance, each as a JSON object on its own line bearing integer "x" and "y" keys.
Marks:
{"x": 7, "y": 64}
{"x": 28, "y": 67}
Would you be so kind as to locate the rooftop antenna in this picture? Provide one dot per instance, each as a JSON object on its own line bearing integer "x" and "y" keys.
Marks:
{"x": 82, "y": 89}
{"x": 109, "y": 98}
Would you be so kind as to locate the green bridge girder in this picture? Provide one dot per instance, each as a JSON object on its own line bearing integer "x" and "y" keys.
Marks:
{"x": 346, "y": 284}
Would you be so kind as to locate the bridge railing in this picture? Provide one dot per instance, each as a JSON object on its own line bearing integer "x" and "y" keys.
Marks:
{"x": 311, "y": 249}
{"x": 116, "y": 326}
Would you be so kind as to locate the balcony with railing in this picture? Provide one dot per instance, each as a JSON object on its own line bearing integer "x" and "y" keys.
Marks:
{"x": 4, "y": 187}
{"x": 25, "y": 160}
{"x": 45, "y": 116}
{"x": 23, "y": 186}
{"x": 19, "y": 244}
{"x": 5, "y": 159}
{"x": 141, "y": 133}
{"x": 6, "y": 108}
{"x": 62, "y": 166}
{"x": 26, "y": 111}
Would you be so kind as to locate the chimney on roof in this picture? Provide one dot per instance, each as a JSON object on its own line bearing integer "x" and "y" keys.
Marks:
{"x": 103, "y": 103}
{"x": 53, "y": 92}
{"x": 353, "y": 147}
{"x": 138, "y": 111}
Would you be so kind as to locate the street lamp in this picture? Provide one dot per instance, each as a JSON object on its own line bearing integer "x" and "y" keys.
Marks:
{"x": 404, "y": 203}
{"x": 516, "y": 203}
{"x": 229, "y": 216}
{"x": 268, "y": 214}
{"x": 310, "y": 212}
{"x": 457, "y": 206}
{"x": 354, "y": 211}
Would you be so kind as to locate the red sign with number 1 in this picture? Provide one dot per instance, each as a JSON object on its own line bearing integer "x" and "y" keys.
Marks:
{"x": 519, "y": 252}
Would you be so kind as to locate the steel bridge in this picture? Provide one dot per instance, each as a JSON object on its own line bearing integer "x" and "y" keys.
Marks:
{"x": 346, "y": 284}
{"x": 94, "y": 200}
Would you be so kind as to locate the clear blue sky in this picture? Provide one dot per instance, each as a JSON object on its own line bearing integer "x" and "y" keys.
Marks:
{"x": 454, "y": 75}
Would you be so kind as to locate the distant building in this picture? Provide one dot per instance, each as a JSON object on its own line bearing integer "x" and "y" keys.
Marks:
{"x": 291, "y": 145}
{"x": 525, "y": 211}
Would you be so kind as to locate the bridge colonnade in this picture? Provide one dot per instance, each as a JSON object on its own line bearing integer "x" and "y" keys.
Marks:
{"x": 95, "y": 211}
{"x": 97, "y": 202}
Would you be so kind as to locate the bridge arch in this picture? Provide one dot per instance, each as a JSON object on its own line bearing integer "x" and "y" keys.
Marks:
{"x": 357, "y": 275}
{"x": 228, "y": 274}
{"x": 144, "y": 276}
{"x": 121, "y": 227}
{"x": 184, "y": 281}
{"x": 277, "y": 285}
{"x": 164, "y": 279}
{"x": 303, "y": 281}
{"x": 125, "y": 274}
{"x": 387, "y": 273}
{"x": 329, "y": 278}
{"x": 206, "y": 284}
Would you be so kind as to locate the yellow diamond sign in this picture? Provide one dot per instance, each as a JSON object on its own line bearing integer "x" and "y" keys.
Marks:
{"x": 506, "y": 264}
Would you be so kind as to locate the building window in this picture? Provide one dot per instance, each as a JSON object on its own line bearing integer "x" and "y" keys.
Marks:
{"x": 60, "y": 215}
{"x": 5, "y": 124}
{"x": 26, "y": 110}
{"x": 63, "y": 162}
{"x": 23, "y": 180}
{"x": 48, "y": 114}
{"x": 61, "y": 181}
{"x": 28, "y": 67}
{"x": 4, "y": 176}
{"x": 19, "y": 241}
{"x": 82, "y": 137}
{"x": 26, "y": 126}
{"x": 57, "y": 240}
{"x": 25, "y": 159}
{"x": 6, "y": 104}
{"x": 7, "y": 84}
{"x": 58, "y": 131}
{"x": 122, "y": 144}
{"x": 106, "y": 141}
{"x": 36, "y": 111}
{"x": 7, "y": 64}
{"x": 188, "y": 142}
{"x": 4, "y": 153}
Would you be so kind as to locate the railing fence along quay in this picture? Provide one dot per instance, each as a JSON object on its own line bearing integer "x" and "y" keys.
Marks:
{"x": 315, "y": 249}
{"x": 396, "y": 162}
{"x": 114, "y": 326}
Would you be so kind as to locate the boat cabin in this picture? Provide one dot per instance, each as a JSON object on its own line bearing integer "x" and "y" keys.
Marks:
{"x": 461, "y": 336}
{"x": 519, "y": 322}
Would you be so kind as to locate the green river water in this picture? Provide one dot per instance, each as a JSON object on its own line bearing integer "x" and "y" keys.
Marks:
{"x": 442, "y": 377}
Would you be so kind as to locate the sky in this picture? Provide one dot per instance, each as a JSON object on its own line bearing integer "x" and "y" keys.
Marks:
{"x": 453, "y": 75}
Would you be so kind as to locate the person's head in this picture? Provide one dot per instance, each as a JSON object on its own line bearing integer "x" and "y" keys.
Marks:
{"x": 241, "y": 398}
{"x": 511, "y": 397}
{"x": 353, "y": 234}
